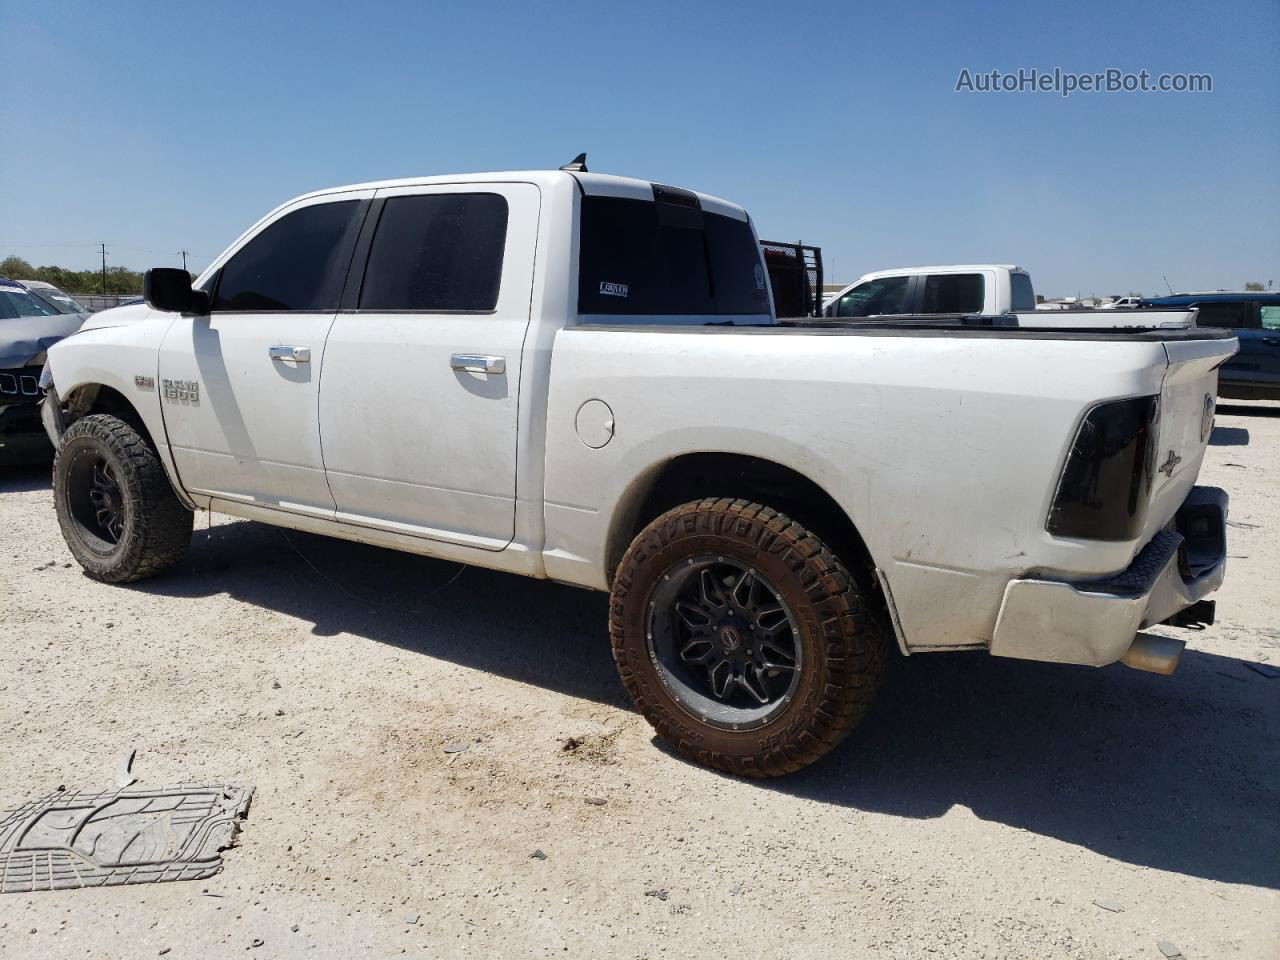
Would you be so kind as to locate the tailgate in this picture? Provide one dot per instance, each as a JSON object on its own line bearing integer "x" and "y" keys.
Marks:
{"x": 1187, "y": 399}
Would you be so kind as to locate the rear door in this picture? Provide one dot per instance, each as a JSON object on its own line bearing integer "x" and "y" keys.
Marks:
{"x": 421, "y": 372}
{"x": 239, "y": 385}
{"x": 1260, "y": 346}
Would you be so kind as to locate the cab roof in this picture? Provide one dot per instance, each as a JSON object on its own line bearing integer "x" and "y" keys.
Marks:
{"x": 945, "y": 268}
{"x": 591, "y": 184}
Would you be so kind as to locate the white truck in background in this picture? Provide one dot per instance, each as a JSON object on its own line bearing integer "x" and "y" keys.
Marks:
{"x": 977, "y": 290}
{"x": 580, "y": 377}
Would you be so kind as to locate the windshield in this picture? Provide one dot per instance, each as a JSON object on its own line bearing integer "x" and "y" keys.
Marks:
{"x": 60, "y": 301}
{"x": 873, "y": 298}
{"x": 18, "y": 301}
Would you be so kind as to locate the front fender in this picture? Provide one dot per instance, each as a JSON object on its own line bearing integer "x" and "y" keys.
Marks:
{"x": 123, "y": 359}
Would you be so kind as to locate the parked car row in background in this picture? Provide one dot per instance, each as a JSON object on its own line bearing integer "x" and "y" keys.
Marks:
{"x": 1005, "y": 291}
{"x": 992, "y": 291}
{"x": 1254, "y": 317}
{"x": 33, "y": 317}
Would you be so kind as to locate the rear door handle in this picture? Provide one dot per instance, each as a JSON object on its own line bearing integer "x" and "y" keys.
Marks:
{"x": 478, "y": 363}
{"x": 291, "y": 354}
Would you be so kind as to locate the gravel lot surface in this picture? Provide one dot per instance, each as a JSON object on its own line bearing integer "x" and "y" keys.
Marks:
{"x": 986, "y": 808}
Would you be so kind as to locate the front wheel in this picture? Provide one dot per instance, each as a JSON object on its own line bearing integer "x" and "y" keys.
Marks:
{"x": 742, "y": 638}
{"x": 118, "y": 513}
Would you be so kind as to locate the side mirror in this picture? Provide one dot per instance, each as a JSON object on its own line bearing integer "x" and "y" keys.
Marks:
{"x": 169, "y": 289}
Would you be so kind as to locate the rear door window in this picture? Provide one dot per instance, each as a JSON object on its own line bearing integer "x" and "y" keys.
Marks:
{"x": 662, "y": 259}
{"x": 1233, "y": 313}
{"x": 437, "y": 253}
{"x": 953, "y": 293}
{"x": 297, "y": 263}
{"x": 882, "y": 296}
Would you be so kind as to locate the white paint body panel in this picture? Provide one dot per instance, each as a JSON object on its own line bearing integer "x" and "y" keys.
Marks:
{"x": 943, "y": 449}
{"x": 254, "y": 434}
{"x": 445, "y": 465}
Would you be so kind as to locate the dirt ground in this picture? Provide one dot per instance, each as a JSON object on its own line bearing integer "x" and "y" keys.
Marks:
{"x": 983, "y": 810}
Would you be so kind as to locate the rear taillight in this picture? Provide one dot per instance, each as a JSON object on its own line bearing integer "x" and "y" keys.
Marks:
{"x": 1103, "y": 491}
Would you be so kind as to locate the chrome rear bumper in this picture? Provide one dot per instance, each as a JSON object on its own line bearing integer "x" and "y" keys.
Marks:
{"x": 1095, "y": 622}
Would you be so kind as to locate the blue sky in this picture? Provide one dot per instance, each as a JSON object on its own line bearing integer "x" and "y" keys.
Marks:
{"x": 158, "y": 128}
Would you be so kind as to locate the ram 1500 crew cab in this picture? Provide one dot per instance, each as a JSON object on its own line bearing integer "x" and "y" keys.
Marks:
{"x": 580, "y": 377}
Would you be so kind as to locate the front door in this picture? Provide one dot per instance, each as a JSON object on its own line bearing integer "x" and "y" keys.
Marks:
{"x": 421, "y": 373}
{"x": 239, "y": 386}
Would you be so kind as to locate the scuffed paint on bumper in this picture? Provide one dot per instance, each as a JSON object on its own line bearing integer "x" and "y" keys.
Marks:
{"x": 1095, "y": 622}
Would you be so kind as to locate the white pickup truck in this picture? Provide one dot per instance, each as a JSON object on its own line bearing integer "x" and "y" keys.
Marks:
{"x": 580, "y": 377}
{"x": 978, "y": 289}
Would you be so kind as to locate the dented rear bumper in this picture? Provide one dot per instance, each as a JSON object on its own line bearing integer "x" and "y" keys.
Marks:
{"x": 1095, "y": 622}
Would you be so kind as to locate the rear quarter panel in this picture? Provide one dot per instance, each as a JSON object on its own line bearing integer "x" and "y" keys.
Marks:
{"x": 944, "y": 451}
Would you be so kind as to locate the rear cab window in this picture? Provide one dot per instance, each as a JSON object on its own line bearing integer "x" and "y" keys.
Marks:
{"x": 665, "y": 259}
{"x": 1022, "y": 294}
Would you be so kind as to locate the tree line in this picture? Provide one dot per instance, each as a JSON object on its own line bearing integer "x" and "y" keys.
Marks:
{"x": 118, "y": 279}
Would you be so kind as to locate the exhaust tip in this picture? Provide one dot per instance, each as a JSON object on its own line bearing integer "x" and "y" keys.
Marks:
{"x": 1153, "y": 654}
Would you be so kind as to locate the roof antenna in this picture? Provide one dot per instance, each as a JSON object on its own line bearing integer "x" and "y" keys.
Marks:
{"x": 1166, "y": 283}
{"x": 577, "y": 165}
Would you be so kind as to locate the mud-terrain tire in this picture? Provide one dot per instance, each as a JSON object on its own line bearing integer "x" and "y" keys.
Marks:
{"x": 118, "y": 513}
{"x": 838, "y": 642}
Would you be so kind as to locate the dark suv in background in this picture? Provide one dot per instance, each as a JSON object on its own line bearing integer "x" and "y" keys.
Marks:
{"x": 29, "y": 325}
{"x": 1254, "y": 372}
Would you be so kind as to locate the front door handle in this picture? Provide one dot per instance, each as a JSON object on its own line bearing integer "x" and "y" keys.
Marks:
{"x": 478, "y": 363}
{"x": 1271, "y": 341}
{"x": 291, "y": 354}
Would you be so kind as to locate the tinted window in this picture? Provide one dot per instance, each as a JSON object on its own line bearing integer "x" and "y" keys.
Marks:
{"x": 953, "y": 293}
{"x": 873, "y": 298}
{"x": 297, "y": 263}
{"x": 1022, "y": 296}
{"x": 1219, "y": 314}
{"x": 649, "y": 258}
{"x": 437, "y": 252}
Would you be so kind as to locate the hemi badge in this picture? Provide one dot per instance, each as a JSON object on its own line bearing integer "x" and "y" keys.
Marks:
{"x": 144, "y": 383}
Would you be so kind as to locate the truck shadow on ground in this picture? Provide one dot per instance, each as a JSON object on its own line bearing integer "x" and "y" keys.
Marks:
{"x": 1247, "y": 410}
{"x": 1179, "y": 773}
{"x": 1229, "y": 437}
{"x": 25, "y": 477}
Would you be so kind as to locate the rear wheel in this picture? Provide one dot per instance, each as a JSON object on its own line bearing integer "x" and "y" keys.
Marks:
{"x": 118, "y": 513}
{"x": 742, "y": 638}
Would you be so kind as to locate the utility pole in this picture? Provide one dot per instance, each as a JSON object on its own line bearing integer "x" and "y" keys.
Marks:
{"x": 184, "y": 259}
{"x": 104, "y": 269}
